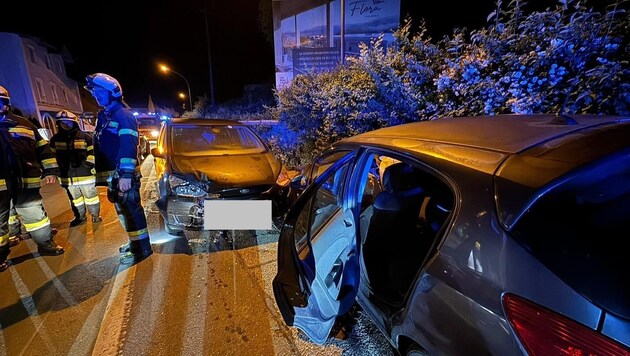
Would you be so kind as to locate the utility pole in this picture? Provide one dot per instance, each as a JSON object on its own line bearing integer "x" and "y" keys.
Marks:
{"x": 205, "y": 17}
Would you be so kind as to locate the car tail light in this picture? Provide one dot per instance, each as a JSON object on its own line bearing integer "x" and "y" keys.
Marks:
{"x": 543, "y": 332}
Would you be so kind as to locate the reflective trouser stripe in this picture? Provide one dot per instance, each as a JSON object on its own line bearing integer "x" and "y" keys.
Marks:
{"x": 12, "y": 219}
{"x": 138, "y": 234}
{"x": 37, "y": 225}
{"x": 78, "y": 201}
{"x": 31, "y": 182}
{"x": 3, "y": 184}
{"x": 91, "y": 201}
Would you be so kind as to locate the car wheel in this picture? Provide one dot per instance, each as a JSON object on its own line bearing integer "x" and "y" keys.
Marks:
{"x": 172, "y": 230}
{"x": 416, "y": 350}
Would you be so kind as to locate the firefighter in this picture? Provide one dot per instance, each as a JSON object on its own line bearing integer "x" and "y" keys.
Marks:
{"x": 116, "y": 151}
{"x": 75, "y": 156}
{"x": 26, "y": 162}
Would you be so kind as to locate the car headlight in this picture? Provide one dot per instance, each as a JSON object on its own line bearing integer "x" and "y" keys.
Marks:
{"x": 184, "y": 188}
{"x": 154, "y": 133}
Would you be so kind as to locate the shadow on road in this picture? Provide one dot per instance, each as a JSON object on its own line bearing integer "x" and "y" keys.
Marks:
{"x": 78, "y": 284}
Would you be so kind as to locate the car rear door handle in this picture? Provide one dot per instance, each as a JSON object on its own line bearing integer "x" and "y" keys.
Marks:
{"x": 347, "y": 222}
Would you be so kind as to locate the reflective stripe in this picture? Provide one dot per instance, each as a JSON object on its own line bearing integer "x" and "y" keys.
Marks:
{"x": 77, "y": 180}
{"x": 54, "y": 150}
{"x": 137, "y": 232}
{"x": 50, "y": 163}
{"x": 3, "y": 184}
{"x": 41, "y": 143}
{"x": 92, "y": 201}
{"x": 22, "y": 132}
{"x": 90, "y": 148}
{"x": 61, "y": 145}
{"x": 113, "y": 124}
{"x": 78, "y": 201}
{"x": 127, "y": 163}
{"x": 80, "y": 144}
{"x": 13, "y": 219}
{"x": 31, "y": 182}
{"x": 37, "y": 225}
{"x": 127, "y": 132}
{"x": 90, "y": 159}
{"x": 4, "y": 239}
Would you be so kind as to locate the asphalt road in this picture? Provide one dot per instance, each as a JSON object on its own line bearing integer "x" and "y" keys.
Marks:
{"x": 204, "y": 294}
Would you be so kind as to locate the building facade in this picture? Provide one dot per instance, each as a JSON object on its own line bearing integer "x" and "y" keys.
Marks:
{"x": 34, "y": 73}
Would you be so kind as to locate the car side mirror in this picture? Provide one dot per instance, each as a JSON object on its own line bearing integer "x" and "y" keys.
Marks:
{"x": 156, "y": 152}
{"x": 299, "y": 182}
{"x": 45, "y": 133}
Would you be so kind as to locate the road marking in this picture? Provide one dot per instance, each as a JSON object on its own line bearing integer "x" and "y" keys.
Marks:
{"x": 31, "y": 309}
{"x": 110, "y": 337}
{"x": 89, "y": 332}
{"x": 50, "y": 275}
{"x": 196, "y": 311}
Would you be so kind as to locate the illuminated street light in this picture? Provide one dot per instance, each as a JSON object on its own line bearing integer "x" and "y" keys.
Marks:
{"x": 166, "y": 69}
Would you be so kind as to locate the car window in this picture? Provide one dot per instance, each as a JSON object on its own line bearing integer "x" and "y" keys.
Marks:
{"x": 325, "y": 162}
{"x": 326, "y": 201}
{"x": 214, "y": 140}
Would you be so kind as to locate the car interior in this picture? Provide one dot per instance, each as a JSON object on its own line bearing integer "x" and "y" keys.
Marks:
{"x": 402, "y": 215}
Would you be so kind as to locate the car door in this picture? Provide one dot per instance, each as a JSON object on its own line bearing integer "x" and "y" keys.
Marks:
{"x": 318, "y": 269}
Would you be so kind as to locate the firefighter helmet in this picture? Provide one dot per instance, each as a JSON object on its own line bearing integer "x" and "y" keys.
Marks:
{"x": 4, "y": 96}
{"x": 67, "y": 115}
{"x": 104, "y": 81}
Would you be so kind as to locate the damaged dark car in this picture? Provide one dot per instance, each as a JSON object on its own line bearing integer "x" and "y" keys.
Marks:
{"x": 201, "y": 159}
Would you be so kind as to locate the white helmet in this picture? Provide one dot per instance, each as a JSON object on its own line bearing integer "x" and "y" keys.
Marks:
{"x": 67, "y": 115}
{"x": 104, "y": 81}
{"x": 4, "y": 95}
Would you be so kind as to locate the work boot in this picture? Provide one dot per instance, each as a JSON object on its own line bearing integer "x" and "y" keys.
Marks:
{"x": 50, "y": 248}
{"x": 138, "y": 251}
{"x": 4, "y": 253}
{"x": 124, "y": 248}
{"x": 77, "y": 221}
{"x": 14, "y": 240}
{"x": 96, "y": 219}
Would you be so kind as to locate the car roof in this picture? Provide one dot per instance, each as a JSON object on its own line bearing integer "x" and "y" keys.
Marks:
{"x": 202, "y": 121}
{"x": 501, "y": 133}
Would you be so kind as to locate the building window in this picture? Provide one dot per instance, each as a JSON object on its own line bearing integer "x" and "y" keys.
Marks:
{"x": 40, "y": 89}
{"x": 31, "y": 54}
{"x": 53, "y": 89}
{"x": 65, "y": 95}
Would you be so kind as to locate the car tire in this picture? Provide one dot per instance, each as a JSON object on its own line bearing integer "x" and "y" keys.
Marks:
{"x": 171, "y": 230}
{"x": 415, "y": 350}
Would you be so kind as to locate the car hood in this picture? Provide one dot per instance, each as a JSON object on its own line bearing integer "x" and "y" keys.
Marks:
{"x": 230, "y": 170}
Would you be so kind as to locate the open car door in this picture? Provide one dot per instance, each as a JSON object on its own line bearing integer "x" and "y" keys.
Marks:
{"x": 318, "y": 268}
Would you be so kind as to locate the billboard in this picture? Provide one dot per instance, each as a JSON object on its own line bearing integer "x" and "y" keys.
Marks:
{"x": 308, "y": 33}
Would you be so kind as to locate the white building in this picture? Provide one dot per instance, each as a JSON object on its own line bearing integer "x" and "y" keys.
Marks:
{"x": 34, "y": 73}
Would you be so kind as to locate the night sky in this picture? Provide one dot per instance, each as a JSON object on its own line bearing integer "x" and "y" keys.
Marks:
{"x": 127, "y": 39}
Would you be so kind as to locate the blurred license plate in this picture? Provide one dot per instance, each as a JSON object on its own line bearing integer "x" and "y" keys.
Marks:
{"x": 237, "y": 215}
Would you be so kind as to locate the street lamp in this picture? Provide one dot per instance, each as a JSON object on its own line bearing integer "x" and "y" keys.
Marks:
{"x": 183, "y": 97}
{"x": 166, "y": 69}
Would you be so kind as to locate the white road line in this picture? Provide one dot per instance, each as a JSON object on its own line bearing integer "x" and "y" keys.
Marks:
{"x": 50, "y": 275}
{"x": 109, "y": 339}
{"x": 152, "y": 302}
{"x": 31, "y": 309}
{"x": 196, "y": 310}
{"x": 90, "y": 330}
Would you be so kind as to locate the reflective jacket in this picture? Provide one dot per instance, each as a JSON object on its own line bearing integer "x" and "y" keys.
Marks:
{"x": 116, "y": 144}
{"x": 75, "y": 156}
{"x": 26, "y": 154}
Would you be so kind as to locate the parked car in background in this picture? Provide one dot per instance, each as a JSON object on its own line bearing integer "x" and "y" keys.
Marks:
{"x": 468, "y": 236}
{"x": 200, "y": 159}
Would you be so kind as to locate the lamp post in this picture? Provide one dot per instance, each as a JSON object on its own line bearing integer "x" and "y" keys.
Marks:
{"x": 166, "y": 69}
{"x": 183, "y": 97}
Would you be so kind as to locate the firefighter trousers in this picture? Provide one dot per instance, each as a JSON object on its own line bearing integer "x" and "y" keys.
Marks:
{"x": 131, "y": 213}
{"x": 81, "y": 197}
{"x": 28, "y": 204}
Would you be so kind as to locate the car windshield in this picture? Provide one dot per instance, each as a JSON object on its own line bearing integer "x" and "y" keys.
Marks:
{"x": 214, "y": 140}
{"x": 147, "y": 123}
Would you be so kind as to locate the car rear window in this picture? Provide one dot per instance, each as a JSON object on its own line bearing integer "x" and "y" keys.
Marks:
{"x": 207, "y": 140}
{"x": 578, "y": 227}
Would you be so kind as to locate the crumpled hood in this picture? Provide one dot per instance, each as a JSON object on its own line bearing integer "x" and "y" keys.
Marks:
{"x": 230, "y": 170}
